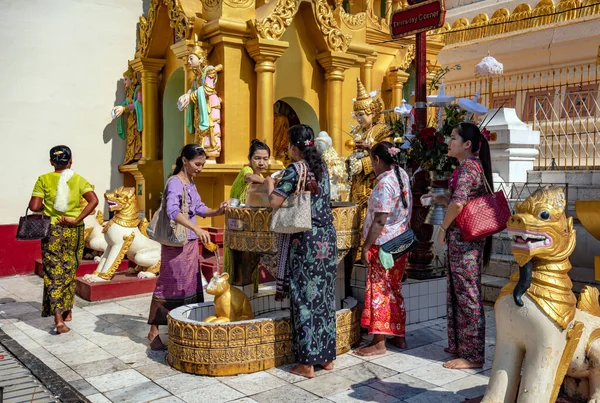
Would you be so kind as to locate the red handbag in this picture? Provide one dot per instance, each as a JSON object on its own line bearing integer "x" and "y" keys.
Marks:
{"x": 485, "y": 215}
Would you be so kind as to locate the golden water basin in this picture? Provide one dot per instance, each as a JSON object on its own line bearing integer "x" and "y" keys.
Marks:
{"x": 222, "y": 349}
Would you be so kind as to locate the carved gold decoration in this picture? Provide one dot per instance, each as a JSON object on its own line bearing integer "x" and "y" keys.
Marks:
{"x": 180, "y": 22}
{"x": 239, "y": 3}
{"x": 522, "y": 17}
{"x": 110, "y": 273}
{"x": 247, "y": 229}
{"x": 336, "y": 40}
{"x": 211, "y": 5}
{"x": 409, "y": 56}
{"x": 354, "y": 21}
{"x": 588, "y": 300}
{"x": 273, "y": 26}
{"x": 221, "y": 349}
{"x": 573, "y": 337}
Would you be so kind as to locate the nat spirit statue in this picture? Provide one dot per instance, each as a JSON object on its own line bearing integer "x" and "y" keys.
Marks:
{"x": 132, "y": 131}
{"x": 336, "y": 165}
{"x": 371, "y": 129}
{"x": 204, "y": 119}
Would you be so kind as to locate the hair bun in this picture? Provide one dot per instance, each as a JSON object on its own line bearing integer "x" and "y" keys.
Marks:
{"x": 255, "y": 141}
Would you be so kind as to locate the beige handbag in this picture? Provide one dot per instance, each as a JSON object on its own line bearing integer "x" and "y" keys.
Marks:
{"x": 295, "y": 214}
{"x": 166, "y": 231}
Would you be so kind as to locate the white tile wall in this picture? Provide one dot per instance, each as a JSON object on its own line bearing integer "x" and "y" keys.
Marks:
{"x": 424, "y": 300}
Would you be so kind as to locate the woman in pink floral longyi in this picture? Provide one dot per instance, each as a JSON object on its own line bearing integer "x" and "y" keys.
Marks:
{"x": 388, "y": 215}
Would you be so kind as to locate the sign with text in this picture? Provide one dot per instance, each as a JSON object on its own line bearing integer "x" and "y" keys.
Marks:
{"x": 418, "y": 18}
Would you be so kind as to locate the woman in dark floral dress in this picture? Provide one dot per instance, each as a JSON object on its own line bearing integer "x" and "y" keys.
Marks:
{"x": 465, "y": 315}
{"x": 310, "y": 258}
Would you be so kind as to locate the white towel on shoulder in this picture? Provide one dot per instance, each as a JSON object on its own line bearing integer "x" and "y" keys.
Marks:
{"x": 61, "y": 202}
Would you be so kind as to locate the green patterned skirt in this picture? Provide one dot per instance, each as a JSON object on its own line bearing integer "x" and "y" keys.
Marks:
{"x": 62, "y": 252}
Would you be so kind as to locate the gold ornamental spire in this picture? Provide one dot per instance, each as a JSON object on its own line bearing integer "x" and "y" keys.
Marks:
{"x": 363, "y": 101}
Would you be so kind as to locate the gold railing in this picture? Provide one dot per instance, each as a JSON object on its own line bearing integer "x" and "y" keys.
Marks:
{"x": 522, "y": 17}
{"x": 562, "y": 103}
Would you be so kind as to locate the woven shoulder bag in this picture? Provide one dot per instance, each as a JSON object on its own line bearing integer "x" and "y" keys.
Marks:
{"x": 295, "y": 213}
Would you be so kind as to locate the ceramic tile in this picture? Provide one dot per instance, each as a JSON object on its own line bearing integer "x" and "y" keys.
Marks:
{"x": 67, "y": 374}
{"x": 437, "y": 395}
{"x": 84, "y": 387}
{"x": 285, "y": 394}
{"x": 182, "y": 383}
{"x": 170, "y": 399}
{"x": 139, "y": 393}
{"x": 366, "y": 372}
{"x": 470, "y": 386}
{"x": 326, "y": 385}
{"x": 401, "y": 386}
{"x": 117, "y": 380}
{"x": 433, "y": 352}
{"x": 284, "y": 373}
{"x": 363, "y": 394}
{"x": 250, "y": 384}
{"x": 156, "y": 371}
{"x": 217, "y": 393}
{"x": 98, "y": 398}
{"x": 401, "y": 362}
{"x": 101, "y": 367}
{"x": 436, "y": 374}
{"x": 147, "y": 358}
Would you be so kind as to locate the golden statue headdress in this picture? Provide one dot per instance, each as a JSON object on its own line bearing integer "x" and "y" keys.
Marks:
{"x": 197, "y": 49}
{"x": 363, "y": 101}
{"x": 129, "y": 73}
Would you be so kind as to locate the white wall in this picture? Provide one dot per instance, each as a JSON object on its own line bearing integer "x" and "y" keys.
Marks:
{"x": 60, "y": 65}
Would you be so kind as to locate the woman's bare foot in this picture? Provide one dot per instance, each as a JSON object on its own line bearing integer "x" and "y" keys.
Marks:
{"x": 376, "y": 347}
{"x": 399, "y": 342}
{"x": 67, "y": 316}
{"x": 461, "y": 363}
{"x": 307, "y": 371}
{"x": 155, "y": 342}
{"x": 62, "y": 328}
{"x": 328, "y": 366}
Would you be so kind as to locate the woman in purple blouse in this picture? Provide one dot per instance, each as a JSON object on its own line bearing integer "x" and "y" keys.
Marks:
{"x": 180, "y": 280}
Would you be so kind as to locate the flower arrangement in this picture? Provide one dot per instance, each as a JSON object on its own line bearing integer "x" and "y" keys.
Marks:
{"x": 429, "y": 148}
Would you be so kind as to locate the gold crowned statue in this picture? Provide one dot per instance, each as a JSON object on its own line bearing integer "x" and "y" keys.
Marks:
{"x": 204, "y": 119}
{"x": 371, "y": 129}
{"x": 132, "y": 131}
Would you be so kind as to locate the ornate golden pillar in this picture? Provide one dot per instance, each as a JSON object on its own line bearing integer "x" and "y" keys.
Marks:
{"x": 335, "y": 64}
{"x": 149, "y": 69}
{"x": 366, "y": 71}
{"x": 147, "y": 173}
{"x": 397, "y": 79}
{"x": 265, "y": 52}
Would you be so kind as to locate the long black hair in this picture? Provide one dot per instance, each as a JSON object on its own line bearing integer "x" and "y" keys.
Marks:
{"x": 60, "y": 155}
{"x": 479, "y": 146}
{"x": 189, "y": 152}
{"x": 303, "y": 137}
{"x": 382, "y": 150}
{"x": 256, "y": 145}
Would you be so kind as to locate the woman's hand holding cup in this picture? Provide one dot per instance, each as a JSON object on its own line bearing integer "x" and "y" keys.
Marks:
{"x": 203, "y": 235}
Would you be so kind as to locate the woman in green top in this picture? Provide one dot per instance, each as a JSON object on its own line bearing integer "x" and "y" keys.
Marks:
{"x": 58, "y": 195}
{"x": 259, "y": 162}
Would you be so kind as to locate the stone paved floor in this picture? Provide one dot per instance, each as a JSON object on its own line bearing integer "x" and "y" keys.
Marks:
{"x": 106, "y": 358}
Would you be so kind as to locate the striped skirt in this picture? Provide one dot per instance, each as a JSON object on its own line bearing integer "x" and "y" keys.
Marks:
{"x": 62, "y": 252}
{"x": 179, "y": 282}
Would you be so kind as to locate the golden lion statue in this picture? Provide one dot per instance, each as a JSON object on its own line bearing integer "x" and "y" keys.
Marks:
{"x": 125, "y": 235}
{"x": 537, "y": 314}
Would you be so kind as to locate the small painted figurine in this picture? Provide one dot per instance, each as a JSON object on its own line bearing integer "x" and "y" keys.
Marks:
{"x": 132, "y": 132}
{"x": 204, "y": 120}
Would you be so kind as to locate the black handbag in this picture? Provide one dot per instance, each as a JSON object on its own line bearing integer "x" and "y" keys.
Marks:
{"x": 33, "y": 227}
{"x": 401, "y": 245}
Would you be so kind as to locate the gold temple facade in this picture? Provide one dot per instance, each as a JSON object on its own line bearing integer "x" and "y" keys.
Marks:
{"x": 290, "y": 61}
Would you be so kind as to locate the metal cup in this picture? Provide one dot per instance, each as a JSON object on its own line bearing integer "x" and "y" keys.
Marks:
{"x": 234, "y": 202}
{"x": 426, "y": 201}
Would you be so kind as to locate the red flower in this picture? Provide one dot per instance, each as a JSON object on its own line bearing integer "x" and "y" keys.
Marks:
{"x": 486, "y": 133}
{"x": 440, "y": 140}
